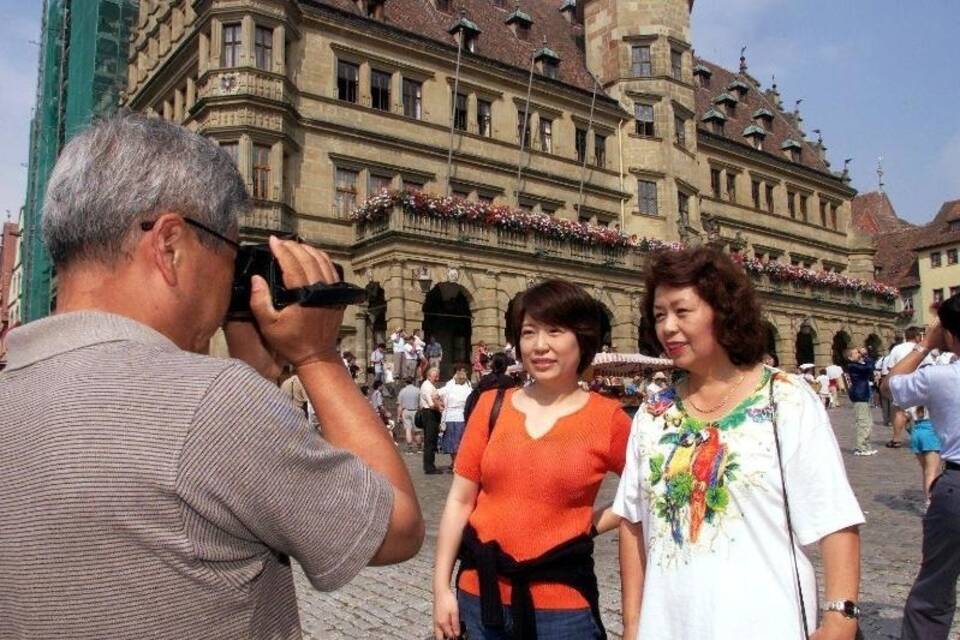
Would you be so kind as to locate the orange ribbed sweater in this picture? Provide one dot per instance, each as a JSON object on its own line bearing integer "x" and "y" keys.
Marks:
{"x": 538, "y": 493}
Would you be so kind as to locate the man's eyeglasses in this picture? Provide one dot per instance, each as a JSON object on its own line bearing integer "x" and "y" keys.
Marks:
{"x": 148, "y": 225}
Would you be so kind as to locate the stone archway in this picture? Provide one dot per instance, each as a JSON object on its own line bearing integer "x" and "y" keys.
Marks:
{"x": 606, "y": 325}
{"x": 838, "y": 350}
{"x": 770, "y": 342}
{"x": 447, "y": 316}
{"x": 377, "y": 314}
{"x": 874, "y": 345}
{"x": 806, "y": 344}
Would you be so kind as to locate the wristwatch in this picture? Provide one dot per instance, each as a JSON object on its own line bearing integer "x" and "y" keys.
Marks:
{"x": 848, "y": 608}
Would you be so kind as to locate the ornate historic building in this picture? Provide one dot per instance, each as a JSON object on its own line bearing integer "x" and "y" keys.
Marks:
{"x": 593, "y": 111}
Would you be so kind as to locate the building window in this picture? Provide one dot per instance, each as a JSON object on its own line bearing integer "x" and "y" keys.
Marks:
{"x": 907, "y": 301}
{"x": 803, "y": 208}
{"x": 484, "y": 198}
{"x": 951, "y": 256}
{"x": 935, "y": 260}
{"x": 348, "y": 79}
{"x": 680, "y": 131}
{"x": 263, "y": 48}
{"x": 755, "y": 194}
{"x": 346, "y": 197}
{"x": 645, "y": 124}
{"x": 460, "y": 112}
{"x": 580, "y": 142}
{"x": 600, "y": 150}
{"x": 731, "y": 187}
{"x": 937, "y": 296}
{"x": 261, "y": 171}
{"x": 823, "y": 213}
{"x": 676, "y": 64}
{"x": 647, "y": 197}
{"x": 640, "y": 58}
{"x": 412, "y": 98}
{"x": 546, "y": 135}
{"x": 792, "y": 204}
{"x": 377, "y": 183}
{"x": 683, "y": 207}
{"x": 770, "y": 198}
{"x": 412, "y": 184}
{"x": 715, "y": 178}
{"x": 232, "y": 149}
{"x": 380, "y": 90}
{"x": 523, "y": 128}
{"x": 484, "y": 118}
{"x": 231, "y": 45}
{"x": 795, "y": 154}
{"x": 716, "y": 126}
{"x": 550, "y": 68}
{"x": 833, "y": 216}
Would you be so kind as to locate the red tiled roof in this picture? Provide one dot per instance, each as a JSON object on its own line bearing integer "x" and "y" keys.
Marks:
{"x": 873, "y": 214}
{"x": 943, "y": 229}
{"x": 496, "y": 40}
{"x": 895, "y": 259}
{"x": 778, "y": 131}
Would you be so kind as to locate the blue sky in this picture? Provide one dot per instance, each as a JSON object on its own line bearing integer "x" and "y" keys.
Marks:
{"x": 878, "y": 77}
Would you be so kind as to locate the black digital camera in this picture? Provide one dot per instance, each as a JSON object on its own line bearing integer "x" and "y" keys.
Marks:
{"x": 258, "y": 260}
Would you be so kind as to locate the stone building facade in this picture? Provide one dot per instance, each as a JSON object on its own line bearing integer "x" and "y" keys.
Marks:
{"x": 325, "y": 103}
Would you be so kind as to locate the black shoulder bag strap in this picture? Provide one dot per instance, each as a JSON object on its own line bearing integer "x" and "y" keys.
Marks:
{"x": 495, "y": 411}
{"x": 786, "y": 508}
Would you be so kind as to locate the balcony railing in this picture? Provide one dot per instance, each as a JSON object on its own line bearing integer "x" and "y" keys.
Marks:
{"x": 527, "y": 245}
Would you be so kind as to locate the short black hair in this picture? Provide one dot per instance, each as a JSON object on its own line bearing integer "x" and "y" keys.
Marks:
{"x": 949, "y": 314}
{"x": 499, "y": 363}
{"x": 562, "y": 304}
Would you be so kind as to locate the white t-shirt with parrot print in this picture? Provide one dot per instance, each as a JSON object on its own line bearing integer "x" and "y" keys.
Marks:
{"x": 709, "y": 497}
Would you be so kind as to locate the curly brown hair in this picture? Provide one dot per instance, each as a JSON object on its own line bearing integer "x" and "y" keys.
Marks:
{"x": 722, "y": 284}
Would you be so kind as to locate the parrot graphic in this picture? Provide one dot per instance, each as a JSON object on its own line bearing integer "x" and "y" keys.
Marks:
{"x": 707, "y": 461}
{"x": 676, "y": 477}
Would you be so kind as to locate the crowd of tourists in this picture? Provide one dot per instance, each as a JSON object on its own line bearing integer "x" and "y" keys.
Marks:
{"x": 150, "y": 490}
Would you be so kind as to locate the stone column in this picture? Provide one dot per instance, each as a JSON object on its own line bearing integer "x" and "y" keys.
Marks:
{"x": 361, "y": 347}
{"x": 203, "y": 56}
{"x": 396, "y": 92}
{"x": 191, "y": 93}
{"x": 276, "y": 171}
{"x": 178, "y": 105}
{"x": 247, "y": 27}
{"x": 363, "y": 85}
{"x": 279, "y": 50}
{"x": 245, "y": 160}
{"x": 472, "y": 113}
{"x": 487, "y": 324}
{"x": 395, "y": 293}
{"x": 216, "y": 43}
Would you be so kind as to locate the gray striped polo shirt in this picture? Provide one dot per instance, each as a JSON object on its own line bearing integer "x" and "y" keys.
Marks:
{"x": 147, "y": 492}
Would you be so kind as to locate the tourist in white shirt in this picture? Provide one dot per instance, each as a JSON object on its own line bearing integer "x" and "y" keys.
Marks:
{"x": 823, "y": 388}
{"x": 930, "y": 607}
{"x": 454, "y": 395}
{"x": 900, "y": 418}
{"x": 430, "y": 408}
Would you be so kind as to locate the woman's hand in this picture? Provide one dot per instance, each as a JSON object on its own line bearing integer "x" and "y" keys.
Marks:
{"x": 446, "y": 615}
{"x": 835, "y": 627}
{"x": 631, "y": 630}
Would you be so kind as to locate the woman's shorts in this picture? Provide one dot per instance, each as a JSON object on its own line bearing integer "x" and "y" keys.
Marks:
{"x": 924, "y": 440}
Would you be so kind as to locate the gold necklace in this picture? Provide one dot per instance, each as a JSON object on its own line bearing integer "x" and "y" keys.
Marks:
{"x": 723, "y": 402}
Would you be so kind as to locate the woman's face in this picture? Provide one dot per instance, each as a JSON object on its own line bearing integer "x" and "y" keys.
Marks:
{"x": 684, "y": 325}
{"x": 549, "y": 353}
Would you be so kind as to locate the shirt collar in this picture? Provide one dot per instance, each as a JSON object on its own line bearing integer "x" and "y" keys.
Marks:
{"x": 60, "y": 333}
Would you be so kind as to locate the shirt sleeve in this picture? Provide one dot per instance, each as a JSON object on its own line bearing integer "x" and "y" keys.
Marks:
{"x": 252, "y": 468}
{"x": 619, "y": 435}
{"x": 630, "y": 502}
{"x": 821, "y": 500}
{"x": 475, "y": 438}
{"x": 912, "y": 389}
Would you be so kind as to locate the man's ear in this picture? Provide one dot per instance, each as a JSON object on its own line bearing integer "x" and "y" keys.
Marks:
{"x": 167, "y": 246}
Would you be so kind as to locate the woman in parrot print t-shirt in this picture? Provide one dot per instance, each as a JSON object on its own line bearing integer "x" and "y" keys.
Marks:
{"x": 701, "y": 494}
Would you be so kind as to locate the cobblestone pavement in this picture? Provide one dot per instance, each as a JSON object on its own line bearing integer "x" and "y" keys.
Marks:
{"x": 395, "y": 602}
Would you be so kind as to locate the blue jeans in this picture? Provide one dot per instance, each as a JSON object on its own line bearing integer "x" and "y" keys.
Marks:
{"x": 552, "y": 624}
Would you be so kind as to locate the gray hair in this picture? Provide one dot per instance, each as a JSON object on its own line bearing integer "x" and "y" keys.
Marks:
{"x": 124, "y": 169}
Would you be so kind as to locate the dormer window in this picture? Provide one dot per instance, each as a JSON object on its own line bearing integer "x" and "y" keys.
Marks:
{"x": 466, "y": 33}
{"x": 755, "y": 134}
{"x": 372, "y": 8}
{"x": 703, "y": 74}
{"x": 763, "y": 118}
{"x": 793, "y": 149}
{"x": 520, "y": 22}
{"x": 569, "y": 10}
{"x": 727, "y": 102}
{"x": 443, "y": 5}
{"x": 715, "y": 120}
{"x": 548, "y": 62}
{"x": 739, "y": 87}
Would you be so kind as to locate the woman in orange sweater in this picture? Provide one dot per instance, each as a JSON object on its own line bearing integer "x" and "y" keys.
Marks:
{"x": 520, "y": 512}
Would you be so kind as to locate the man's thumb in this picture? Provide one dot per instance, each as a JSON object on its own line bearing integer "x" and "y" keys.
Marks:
{"x": 260, "y": 303}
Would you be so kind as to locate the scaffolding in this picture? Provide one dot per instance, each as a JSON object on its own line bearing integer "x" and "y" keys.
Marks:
{"x": 82, "y": 69}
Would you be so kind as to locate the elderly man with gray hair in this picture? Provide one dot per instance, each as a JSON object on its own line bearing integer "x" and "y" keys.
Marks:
{"x": 146, "y": 489}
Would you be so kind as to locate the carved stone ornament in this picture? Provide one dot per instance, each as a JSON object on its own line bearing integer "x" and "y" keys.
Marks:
{"x": 229, "y": 83}
{"x": 453, "y": 275}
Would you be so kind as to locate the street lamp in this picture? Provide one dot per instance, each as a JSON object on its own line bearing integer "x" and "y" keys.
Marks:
{"x": 422, "y": 276}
